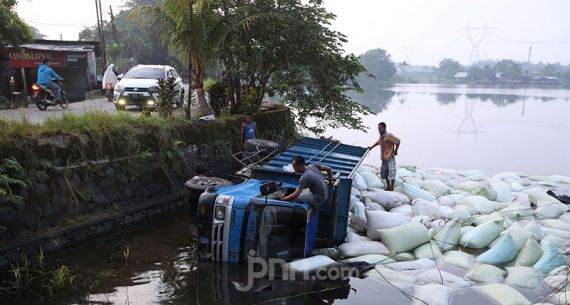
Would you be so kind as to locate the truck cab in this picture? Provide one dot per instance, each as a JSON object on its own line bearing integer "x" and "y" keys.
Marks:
{"x": 242, "y": 221}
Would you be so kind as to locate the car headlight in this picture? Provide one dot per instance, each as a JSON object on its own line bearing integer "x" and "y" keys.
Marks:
{"x": 153, "y": 89}
{"x": 220, "y": 212}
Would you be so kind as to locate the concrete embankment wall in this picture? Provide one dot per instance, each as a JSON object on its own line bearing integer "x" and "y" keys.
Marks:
{"x": 91, "y": 175}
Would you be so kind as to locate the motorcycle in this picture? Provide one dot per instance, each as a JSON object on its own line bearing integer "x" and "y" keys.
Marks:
{"x": 109, "y": 91}
{"x": 45, "y": 97}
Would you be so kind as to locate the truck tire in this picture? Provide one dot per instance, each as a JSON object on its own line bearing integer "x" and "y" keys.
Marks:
{"x": 197, "y": 185}
{"x": 201, "y": 183}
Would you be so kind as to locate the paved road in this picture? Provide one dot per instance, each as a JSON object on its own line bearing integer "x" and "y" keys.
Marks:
{"x": 33, "y": 114}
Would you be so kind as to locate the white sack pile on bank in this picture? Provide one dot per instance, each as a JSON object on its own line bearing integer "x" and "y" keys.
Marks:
{"x": 443, "y": 231}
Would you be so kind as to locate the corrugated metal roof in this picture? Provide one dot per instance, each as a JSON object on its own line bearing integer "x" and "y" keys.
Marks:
{"x": 341, "y": 157}
{"x": 58, "y": 47}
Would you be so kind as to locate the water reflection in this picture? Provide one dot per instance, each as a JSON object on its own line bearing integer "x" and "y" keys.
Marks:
{"x": 468, "y": 125}
{"x": 377, "y": 98}
{"x": 447, "y": 98}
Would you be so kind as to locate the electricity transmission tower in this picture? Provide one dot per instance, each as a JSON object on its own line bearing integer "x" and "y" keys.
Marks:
{"x": 476, "y": 36}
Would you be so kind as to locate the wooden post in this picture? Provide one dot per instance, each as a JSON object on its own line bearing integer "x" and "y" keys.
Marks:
{"x": 24, "y": 81}
{"x": 189, "y": 106}
{"x": 115, "y": 33}
{"x": 103, "y": 44}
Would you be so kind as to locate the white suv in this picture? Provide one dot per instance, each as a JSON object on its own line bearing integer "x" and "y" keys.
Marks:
{"x": 139, "y": 87}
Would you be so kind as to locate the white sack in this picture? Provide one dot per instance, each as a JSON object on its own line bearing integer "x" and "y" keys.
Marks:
{"x": 429, "y": 250}
{"x": 485, "y": 274}
{"x": 447, "y": 237}
{"x": 383, "y": 220}
{"x": 436, "y": 187}
{"x": 309, "y": 264}
{"x": 405, "y": 237}
{"x": 502, "y": 253}
{"x": 479, "y": 203}
{"x": 505, "y": 294}
{"x": 481, "y": 236}
{"x": 432, "y": 294}
{"x": 387, "y": 199}
{"x": 424, "y": 207}
{"x": 422, "y": 263}
{"x": 354, "y": 237}
{"x": 361, "y": 248}
{"x": 372, "y": 181}
{"x": 524, "y": 277}
{"x": 434, "y": 275}
{"x": 414, "y": 192}
{"x": 372, "y": 259}
{"x": 458, "y": 259}
{"x": 530, "y": 253}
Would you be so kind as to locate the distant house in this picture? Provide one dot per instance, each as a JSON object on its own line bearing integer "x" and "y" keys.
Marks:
{"x": 460, "y": 75}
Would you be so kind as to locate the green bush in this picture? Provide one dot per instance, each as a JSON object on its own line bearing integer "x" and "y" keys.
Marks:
{"x": 166, "y": 93}
{"x": 218, "y": 95}
{"x": 208, "y": 83}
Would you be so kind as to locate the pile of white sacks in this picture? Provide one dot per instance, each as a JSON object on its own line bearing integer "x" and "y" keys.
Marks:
{"x": 501, "y": 235}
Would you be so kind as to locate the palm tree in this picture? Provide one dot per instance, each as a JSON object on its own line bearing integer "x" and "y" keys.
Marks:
{"x": 168, "y": 21}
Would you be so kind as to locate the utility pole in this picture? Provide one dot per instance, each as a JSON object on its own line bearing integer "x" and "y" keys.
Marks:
{"x": 529, "y": 54}
{"x": 189, "y": 106}
{"x": 101, "y": 34}
{"x": 115, "y": 33}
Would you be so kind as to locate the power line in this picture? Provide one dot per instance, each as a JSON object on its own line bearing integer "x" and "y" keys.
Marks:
{"x": 59, "y": 24}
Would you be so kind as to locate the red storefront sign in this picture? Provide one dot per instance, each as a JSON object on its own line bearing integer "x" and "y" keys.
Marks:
{"x": 31, "y": 58}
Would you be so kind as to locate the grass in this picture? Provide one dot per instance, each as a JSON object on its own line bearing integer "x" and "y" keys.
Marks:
{"x": 99, "y": 135}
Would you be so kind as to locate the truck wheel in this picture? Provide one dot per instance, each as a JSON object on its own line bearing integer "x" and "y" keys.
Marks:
{"x": 197, "y": 185}
{"x": 201, "y": 183}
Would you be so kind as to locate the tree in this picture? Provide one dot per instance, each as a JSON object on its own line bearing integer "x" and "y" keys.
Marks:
{"x": 488, "y": 74}
{"x": 475, "y": 73}
{"x": 135, "y": 45}
{"x": 13, "y": 30}
{"x": 37, "y": 34}
{"x": 286, "y": 47}
{"x": 448, "y": 67}
{"x": 551, "y": 70}
{"x": 379, "y": 64}
{"x": 509, "y": 69}
{"x": 169, "y": 22}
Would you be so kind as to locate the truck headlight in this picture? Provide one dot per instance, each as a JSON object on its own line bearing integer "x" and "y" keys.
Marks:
{"x": 220, "y": 212}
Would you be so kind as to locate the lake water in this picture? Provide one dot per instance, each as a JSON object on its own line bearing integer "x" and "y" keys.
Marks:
{"x": 462, "y": 127}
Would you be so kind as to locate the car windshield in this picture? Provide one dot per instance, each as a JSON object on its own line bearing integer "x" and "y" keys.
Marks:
{"x": 145, "y": 72}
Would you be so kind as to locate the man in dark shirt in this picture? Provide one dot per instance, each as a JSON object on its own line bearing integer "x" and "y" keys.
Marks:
{"x": 312, "y": 179}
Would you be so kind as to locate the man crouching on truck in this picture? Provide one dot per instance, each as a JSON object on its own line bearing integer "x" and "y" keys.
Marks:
{"x": 312, "y": 179}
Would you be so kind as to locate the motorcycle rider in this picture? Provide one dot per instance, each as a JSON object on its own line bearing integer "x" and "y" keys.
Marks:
{"x": 45, "y": 76}
{"x": 109, "y": 81}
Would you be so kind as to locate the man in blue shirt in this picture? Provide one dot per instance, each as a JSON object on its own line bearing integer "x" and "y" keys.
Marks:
{"x": 45, "y": 76}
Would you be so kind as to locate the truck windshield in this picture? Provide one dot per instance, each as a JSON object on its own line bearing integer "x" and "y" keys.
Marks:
{"x": 282, "y": 232}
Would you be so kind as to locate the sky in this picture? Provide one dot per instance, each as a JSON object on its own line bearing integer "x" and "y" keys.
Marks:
{"x": 418, "y": 31}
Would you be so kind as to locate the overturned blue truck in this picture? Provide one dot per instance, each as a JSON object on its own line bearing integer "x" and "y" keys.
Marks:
{"x": 247, "y": 220}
